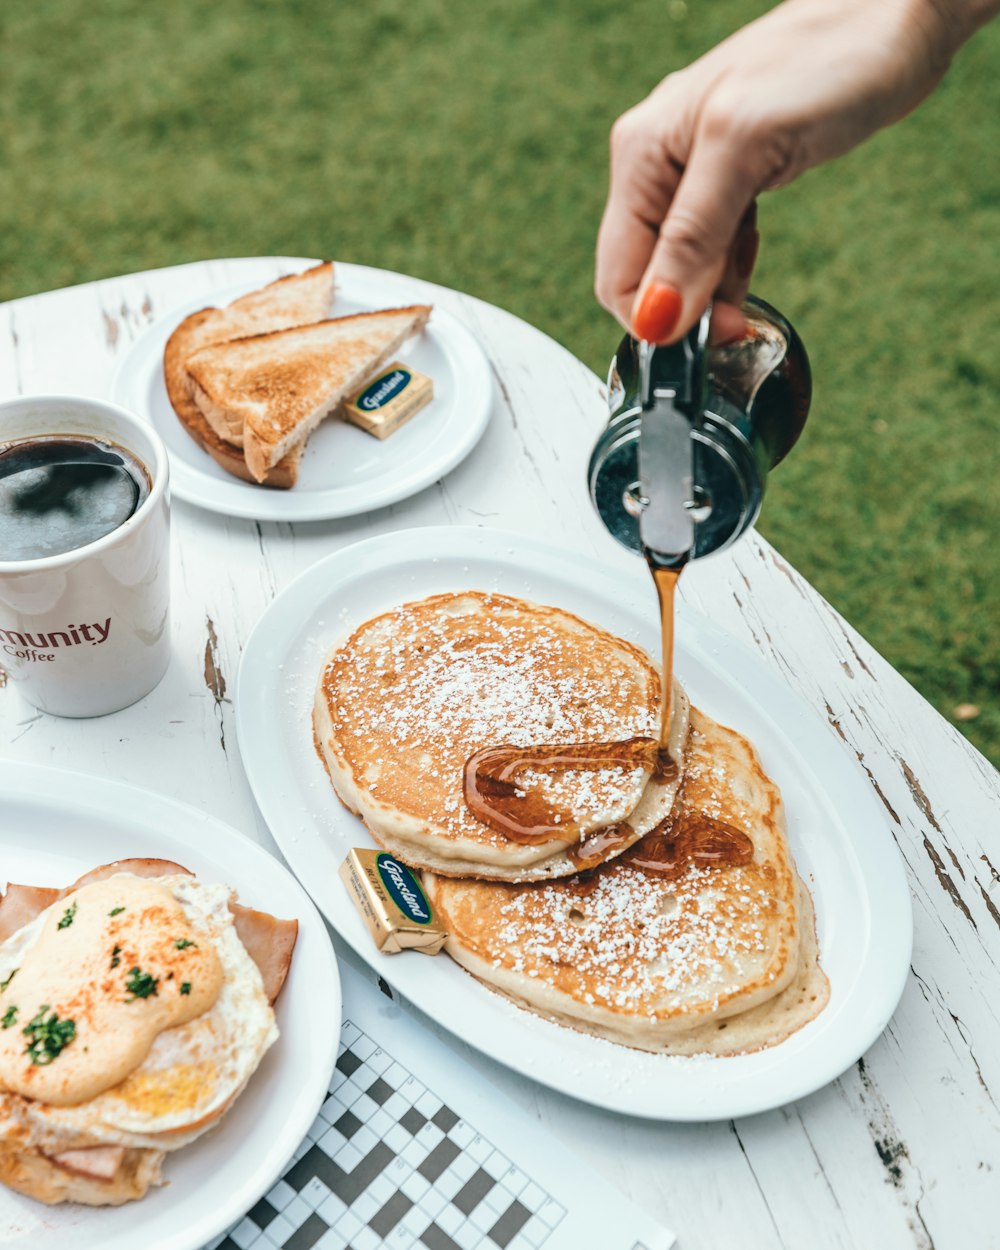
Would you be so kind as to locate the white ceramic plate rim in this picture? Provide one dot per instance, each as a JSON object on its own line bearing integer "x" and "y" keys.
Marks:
{"x": 872, "y": 886}
{"x": 199, "y": 841}
{"x": 211, "y": 488}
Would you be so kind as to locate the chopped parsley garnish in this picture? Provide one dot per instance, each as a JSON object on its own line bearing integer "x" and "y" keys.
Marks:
{"x": 185, "y": 987}
{"x": 183, "y": 943}
{"x": 67, "y": 918}
{"x": 9, "y": 1017}
{"x": 115, "y": 910}
{"x": 116, "y": 957}
{"x": 47, "y": 1038}
{"x": 140, "y": 985}
{"x": 4, "y": 984}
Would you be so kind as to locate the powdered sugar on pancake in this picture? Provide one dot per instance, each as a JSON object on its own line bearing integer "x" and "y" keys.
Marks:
{"x": 720, "y": 958}
{"x": 629, "y": 941}
{"x": 414, "y": 693}
{"x": 636, "y": 942}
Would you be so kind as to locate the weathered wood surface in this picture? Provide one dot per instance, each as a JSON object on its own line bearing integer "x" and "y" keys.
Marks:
{"x": 901, "y": 1151}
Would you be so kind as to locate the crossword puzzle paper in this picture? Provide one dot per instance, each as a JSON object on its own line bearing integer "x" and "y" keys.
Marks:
{"x": 413, "y": 1149}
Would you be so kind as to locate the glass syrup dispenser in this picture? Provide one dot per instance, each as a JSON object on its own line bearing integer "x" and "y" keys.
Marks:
{"x": 680, "y": 469}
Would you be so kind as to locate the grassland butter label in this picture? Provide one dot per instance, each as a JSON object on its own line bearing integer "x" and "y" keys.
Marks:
{"x": 383, "y": 389}
{"x": 404, "y": 889}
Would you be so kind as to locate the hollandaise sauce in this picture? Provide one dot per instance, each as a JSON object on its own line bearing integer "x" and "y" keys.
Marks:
{"x": 86, "y": 988}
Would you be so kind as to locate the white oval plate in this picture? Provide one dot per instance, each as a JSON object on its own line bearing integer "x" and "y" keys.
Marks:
{"x": 344, "y": 471}
{"x": 838, "y": 833}
{"x": 54, "y": 825}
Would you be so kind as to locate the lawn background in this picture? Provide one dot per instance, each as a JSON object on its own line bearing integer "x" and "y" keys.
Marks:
{"x": 467, "y": 143}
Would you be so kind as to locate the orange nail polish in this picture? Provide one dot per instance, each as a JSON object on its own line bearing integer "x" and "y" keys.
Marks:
{"x": 658, "y": 312}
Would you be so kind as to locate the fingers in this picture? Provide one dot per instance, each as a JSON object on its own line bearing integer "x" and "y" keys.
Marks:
{"x": 642, "y": 184}
{"x": 735, "y": 281}
{"x": 625, "y": 243}
{"x": 728, "y": 323}
{"x": 697, "y": 248}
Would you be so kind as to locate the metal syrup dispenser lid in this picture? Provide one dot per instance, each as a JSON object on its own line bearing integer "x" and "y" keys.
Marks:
{"x": 680, "y": 469}
{"x": 672, "y": 411}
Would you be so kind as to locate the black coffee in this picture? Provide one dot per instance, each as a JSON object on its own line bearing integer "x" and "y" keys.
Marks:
{"x": 59, "y": 492}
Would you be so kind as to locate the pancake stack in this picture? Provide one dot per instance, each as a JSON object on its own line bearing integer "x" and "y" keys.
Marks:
{"x": 655, "y": 907}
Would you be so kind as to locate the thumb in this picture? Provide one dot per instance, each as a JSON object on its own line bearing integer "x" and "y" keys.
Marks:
{"x": 692, "y": 248}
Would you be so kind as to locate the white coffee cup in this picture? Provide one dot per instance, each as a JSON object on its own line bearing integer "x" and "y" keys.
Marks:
{"x": 86, "y": 632}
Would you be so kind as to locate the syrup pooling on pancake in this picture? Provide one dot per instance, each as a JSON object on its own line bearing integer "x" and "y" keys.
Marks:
{"x": 673, "y": 956}
{"x": 494, "y": 793}
{"x": 625, "y": 938}
{"x": 411, "y": 695}
{"x": 682, "y": 838}
{"x": 689, "y": 837}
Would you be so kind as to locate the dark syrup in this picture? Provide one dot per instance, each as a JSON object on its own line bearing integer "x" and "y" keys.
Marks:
{"x": 682, "y": 838}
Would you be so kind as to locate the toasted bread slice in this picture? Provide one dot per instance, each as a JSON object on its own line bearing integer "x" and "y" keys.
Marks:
{"x": 54, "y": 1180}
{"x": 276, "y": 388}
{"x": 299, "y": 299}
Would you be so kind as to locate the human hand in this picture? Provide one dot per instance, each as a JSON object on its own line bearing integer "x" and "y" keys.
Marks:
{"x": 803, "y": 84}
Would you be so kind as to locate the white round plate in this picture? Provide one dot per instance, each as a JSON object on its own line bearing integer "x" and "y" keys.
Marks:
{"x": 54, "y": 825}
{"x": 839, "y": 837}
{"x": 344, "y": 471}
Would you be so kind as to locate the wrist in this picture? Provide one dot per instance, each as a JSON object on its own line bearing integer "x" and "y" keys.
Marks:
{"x": 949, "y": 23}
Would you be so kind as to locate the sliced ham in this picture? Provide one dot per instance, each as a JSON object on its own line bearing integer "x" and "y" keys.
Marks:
{"x": 98, "y": 1163}
{"x": 137, "y": 867}
{"x": 269, "y": 943}
{"x": 21, "y": 904}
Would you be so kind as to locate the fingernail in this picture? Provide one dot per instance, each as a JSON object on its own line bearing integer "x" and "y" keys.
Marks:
{"x": 746, "y": 253}
{"x": 658, "y": 312}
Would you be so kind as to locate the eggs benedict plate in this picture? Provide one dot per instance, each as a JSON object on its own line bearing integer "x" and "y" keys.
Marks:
{"x": 142, "y": 1003}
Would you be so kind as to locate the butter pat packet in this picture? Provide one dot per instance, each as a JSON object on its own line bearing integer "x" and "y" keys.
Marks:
{"x": 392, "y": 902}
{"x": 389, "y": 400}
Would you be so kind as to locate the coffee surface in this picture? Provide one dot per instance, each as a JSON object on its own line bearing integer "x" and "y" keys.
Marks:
{"x": 59, "y": 492}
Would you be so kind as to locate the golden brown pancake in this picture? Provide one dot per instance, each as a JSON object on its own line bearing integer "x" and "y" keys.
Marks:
{"x": 413, "y": 693}
{"x": 718, "y": 959}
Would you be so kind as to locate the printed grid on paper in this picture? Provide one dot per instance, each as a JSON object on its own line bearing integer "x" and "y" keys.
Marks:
{"x": 387, "y": 1163}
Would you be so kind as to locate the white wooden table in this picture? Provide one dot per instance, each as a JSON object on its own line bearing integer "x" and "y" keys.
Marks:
{"x": 901, "y": 1151}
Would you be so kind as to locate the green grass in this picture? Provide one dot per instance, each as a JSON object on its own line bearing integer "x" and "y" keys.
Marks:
{"x": 467, "y": 143}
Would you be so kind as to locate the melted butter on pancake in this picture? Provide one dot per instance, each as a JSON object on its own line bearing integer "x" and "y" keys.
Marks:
{"x": 120, "y": 960}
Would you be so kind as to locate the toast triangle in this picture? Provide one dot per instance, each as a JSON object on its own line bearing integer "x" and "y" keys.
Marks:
{"x": 297, "y": 299}
{"x": 276, "y": 388}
